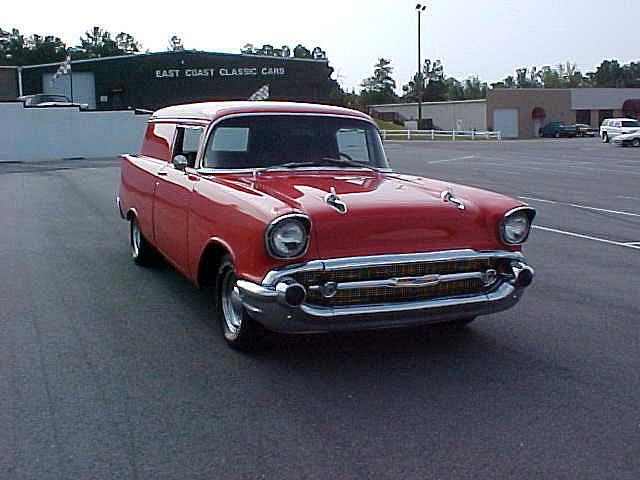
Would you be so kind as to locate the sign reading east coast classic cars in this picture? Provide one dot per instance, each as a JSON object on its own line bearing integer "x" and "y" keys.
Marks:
{"x": 225, "y": 72}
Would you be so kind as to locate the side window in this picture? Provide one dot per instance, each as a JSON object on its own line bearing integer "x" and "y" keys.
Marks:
{"x": 187, "y": 143}
{"x": 157, "y": 141}
{"x": 352, "y": 144}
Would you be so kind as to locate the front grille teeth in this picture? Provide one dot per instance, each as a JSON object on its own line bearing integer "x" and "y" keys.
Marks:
{"x": 323, "y": 287}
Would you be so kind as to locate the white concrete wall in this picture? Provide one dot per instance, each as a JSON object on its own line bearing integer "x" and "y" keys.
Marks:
{"x": 445, "y": 115}
{"x": 65, "y": 132}
{"x": 601, "y": 98}
{"x": 458, "y": 116}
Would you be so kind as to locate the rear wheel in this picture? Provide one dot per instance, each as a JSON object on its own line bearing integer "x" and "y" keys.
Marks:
{"x": 240, "y": 330}
{"x": 605, "y": 138}
{"x": 141, "y": 250}
{"x": 557, "y": 135}
{"x": 636, "y": 142}
{"x": 461, "y": 322}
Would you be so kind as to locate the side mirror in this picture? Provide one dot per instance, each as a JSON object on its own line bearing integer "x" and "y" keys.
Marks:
{"x": 180, "y": 162}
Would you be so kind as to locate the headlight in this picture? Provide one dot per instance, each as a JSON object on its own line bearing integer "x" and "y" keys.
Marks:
{"x": 516, "y": 225}
{"x": 288, "y": 236}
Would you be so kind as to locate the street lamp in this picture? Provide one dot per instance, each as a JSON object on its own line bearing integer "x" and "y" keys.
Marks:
{"x": 419, "y": 8}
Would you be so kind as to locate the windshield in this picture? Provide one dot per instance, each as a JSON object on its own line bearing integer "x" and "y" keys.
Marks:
{"x": 631, "y": 124}
{"x": 269, "y": 140}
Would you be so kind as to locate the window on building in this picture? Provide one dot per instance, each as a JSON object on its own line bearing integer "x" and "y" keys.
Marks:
{"x": 583, "y": 116}
{"x": 602, "y": 114}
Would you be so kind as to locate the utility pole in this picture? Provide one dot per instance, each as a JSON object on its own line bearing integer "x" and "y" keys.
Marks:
{"x": 420, "y": 8}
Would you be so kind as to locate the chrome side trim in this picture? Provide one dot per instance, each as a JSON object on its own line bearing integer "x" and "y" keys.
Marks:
{"x": 119, "y": 206}
{"x": 213, "y": 171}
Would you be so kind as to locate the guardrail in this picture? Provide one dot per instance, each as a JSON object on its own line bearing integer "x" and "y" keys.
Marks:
{"x": 439, "y": 135}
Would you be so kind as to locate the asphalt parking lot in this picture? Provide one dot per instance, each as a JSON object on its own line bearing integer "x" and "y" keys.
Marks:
{"x": 112, "y": 371}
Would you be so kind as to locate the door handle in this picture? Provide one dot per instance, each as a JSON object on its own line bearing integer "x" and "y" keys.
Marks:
{"x": 162, "y": 172}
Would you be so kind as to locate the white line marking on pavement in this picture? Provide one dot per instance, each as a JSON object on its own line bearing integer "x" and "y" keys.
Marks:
{"x": 575, "y": 205}
{"x": 452, "y": 159}
{"x": 587, "y": 237}
{"x": 628, "y": 197}
{"x": 633, "y": 243}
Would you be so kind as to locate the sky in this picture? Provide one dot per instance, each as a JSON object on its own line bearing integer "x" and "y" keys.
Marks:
{"x": 489, "y": 39}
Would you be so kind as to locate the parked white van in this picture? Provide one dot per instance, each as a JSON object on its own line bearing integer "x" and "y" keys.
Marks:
{"x": 612, "y": 127}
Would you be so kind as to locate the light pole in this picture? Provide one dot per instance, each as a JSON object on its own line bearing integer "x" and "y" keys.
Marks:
{"x": 419, "y": 8}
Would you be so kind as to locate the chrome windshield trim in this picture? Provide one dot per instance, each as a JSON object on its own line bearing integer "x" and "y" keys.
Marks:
{"x": 347, "y": 263}
{"x": 212, "y": 125}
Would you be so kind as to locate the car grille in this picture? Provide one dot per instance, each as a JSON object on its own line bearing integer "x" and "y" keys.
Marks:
{"x": 385, "y": 294}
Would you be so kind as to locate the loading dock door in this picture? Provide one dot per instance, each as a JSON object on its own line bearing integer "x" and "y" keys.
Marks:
{"x": 84, "y": 87}
{"x": 505, "y": 120}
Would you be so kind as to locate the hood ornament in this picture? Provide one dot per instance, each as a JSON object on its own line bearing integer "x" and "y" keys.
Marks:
{"x": 448, "y": 196}
{"x": 333, "y": 200}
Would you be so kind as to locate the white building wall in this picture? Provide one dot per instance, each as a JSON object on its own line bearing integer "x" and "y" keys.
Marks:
{"x": 66, "y": 132}
{"x": 601, "y": 98}
{"x": 458, "y": 115}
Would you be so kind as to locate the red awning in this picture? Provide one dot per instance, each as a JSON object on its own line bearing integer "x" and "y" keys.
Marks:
{"x": 631, "y": 105}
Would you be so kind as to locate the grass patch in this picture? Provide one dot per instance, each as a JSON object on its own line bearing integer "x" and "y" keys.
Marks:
{"x": 382, "y": 125}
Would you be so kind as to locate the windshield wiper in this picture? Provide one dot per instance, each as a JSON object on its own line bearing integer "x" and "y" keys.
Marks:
{"x": 294, "y": 165}
{"x": 320, "y": 163}
{"x": 348, "y": 163}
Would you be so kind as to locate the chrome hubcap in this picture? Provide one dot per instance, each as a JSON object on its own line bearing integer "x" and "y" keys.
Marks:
{"x": 231, "y": 303}
{"x": 135, "y": 238}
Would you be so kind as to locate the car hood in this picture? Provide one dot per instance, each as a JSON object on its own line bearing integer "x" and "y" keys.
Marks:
{"x": 388, "y": 212}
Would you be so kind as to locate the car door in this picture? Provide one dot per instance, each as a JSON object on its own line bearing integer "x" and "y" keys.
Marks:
{"x": 172, "y": 199}
{"x": 615, "y": 129}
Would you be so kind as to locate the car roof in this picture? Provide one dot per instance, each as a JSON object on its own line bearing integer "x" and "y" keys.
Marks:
{"x": 213, "y": 110}
{"x": 624, "y": 119}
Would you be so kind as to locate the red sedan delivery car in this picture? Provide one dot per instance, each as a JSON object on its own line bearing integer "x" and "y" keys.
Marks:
{"x": 292, "y": 216}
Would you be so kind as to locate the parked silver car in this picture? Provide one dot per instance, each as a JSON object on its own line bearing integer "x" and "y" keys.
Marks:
{"x": 613, "y": 127}
{"x": 49, "y": 100}
{"x": 628, "y": 139}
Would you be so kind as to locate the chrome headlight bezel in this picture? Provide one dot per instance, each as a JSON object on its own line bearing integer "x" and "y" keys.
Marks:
{"x": 528, "y": 213}
{"x": 303, "y": 220}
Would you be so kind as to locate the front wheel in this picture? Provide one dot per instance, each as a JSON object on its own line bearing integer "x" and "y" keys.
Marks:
{"x": 240, "y": 330}
{"x": 605, "y": 138}
{"x": 636, "y": 142}
{"x": 557, "y": 135}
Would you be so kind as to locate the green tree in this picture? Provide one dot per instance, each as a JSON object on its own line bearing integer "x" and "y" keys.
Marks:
{"x": 430, "y": 83}
{"x": 608, "y": 74}
{"x": 97, "y": 43}
{"x": 380, "y": 88}
{"x": 474, "y": 89}
{"x": 16, "y": 49}
{"x": 455, "y": 89}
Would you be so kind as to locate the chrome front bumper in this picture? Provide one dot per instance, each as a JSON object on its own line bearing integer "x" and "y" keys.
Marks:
{"x": 267, "y": 303}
